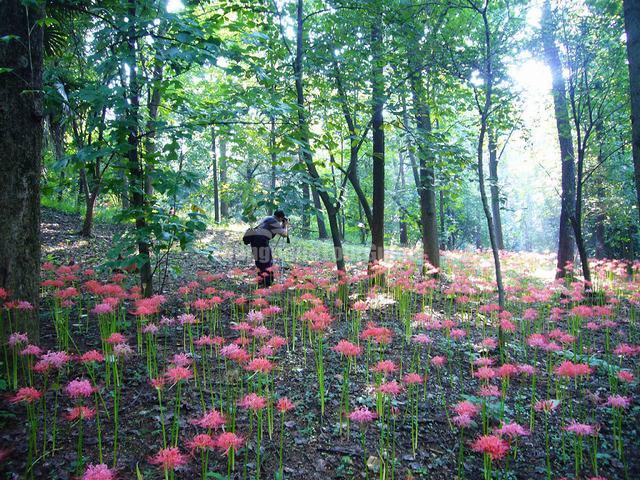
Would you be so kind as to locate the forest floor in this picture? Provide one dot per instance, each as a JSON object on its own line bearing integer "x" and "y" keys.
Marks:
{"x": 314, "y": 445}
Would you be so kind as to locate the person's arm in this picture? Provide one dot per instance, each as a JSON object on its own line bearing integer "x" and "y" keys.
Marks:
{"x": 281, "y": 230}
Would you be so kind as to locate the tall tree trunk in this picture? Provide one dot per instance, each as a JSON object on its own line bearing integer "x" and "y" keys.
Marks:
{"x": 632, "y": 28}
{"x": 377, "y": 128}
{"x": 484, "y": 119}
{"x": 424, "y": 175}
{"x": 566, "y": 240}
{"x": 150, "y": 141}
{"x": 224, "y": 205}
{"x": 306, "y": 208}
{"x": 494, "y": 188}
{"x": 214, "y": 167}
{"x": 21, "y": 132}
{"x": 305, "y": 136}
{"x": 402, "y": 220}
{"x": 317, "y": 205}
{"x": 443, "y": 237}
{"x": 273, "y": 152}
{"x": 135, "y": 165}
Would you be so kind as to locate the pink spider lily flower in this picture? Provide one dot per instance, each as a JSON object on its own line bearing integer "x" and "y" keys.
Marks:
{"x": 284, "y": 405}
{"x": 347, "y": 349}
{"x": 169, "y": 458}
{"x": 572, "y": 370}
{"x": 618, "y": 401}
{"x": 438, "y": 361}
{"x": 412, "y": 378}
{"x": 491, "y": 445}
{"x": 385, "y": 367}
{"x": 466, "y": 408}
{"x": 362, "y": 415}
{"x": 26, "y": 395}
{"x": 79, "y": 388}
{"x": 98, "y": 472}
{"x": 253, "y": 401}
{"x": 201, "y": 442}
{"x": 177, "y": 374}
{"x": 260, "y": 364}
{"x": 80, "y": 412}
{"x": 227, "y": 441}
{"x": 580, "y": 429}
{"x": 512, "y": 430}
{"x": 391, "y": 388}
{"x": 211, "y": 420}
{"x": 91, "y": 356}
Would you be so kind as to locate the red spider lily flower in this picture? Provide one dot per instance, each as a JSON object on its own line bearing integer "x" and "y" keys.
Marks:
{"x": 385, "y": 367}
{"x": 412, "y": 378}
{"x": 489, "y": 391}
{"x": 80, "y": 412}
{"x": 626, "y": 350}
{"x": 157, "y": 383}
{"x": 17, "y": 338}
{"x": 485, "y": 373}
{"x": 91, "y": 356}
{"x": 570, "y": 369}
{"x": 462, "y": 421}
{"x": 277, "y": 342}
{"x": 507, "y": 370}
{"x": 392, "y": 388}
{"x": 253, "y": 402}
{"x": 362, "y": 415}
{"x": 491, "y": 445}
{"x": 181, "y": 360}
{"x": 422, "y": 338}
{"x": 284, "y": 405}
{"x": 33, "y": 350}
{"x": 458, "y": 333}
{"x": 348, "y": 349}
{"x": 169, "y": 458}
{"x": 580, "y": 429}
{"x": 511, "y": 430}
{"x": 55, "y": 360}
{"x": 618, "y": 401}
{"x": 79, "y": 388}
{"x": 150, "y": 328}
{"x": 227, "y": 441}
{"x": 380, "y": 335}
{"x": 260, "y": 364}
{"x": 102, "y": 309}
{"x": 625, "y": 376}
{"x": 201, "y": 441}
{"x": 98, "y": 472}
{"x": 211, "y": 420}
{"x": 466, "y": 408}
{"x": 483, "y": 362}
{"x": 26, "y": 395}
{"x": 116, "y": 338}
{"x": 438, "y": 361}
{"x": 546, "y": 405}
{"x": 177, "y": 374}
{"x": 187, "y": 319}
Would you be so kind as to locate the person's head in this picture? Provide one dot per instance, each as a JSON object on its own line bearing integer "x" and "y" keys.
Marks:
{"x": 279, "y": 214}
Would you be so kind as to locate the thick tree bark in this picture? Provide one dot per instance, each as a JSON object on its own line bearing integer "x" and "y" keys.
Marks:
{"x": 273, "y": 153}
{"x": 214, "y": 167}
{"x": 21, "y": 132}
{"x": 566, "y": 239}
{"x": 222, "y": 167}
{"x": 632, "y": 28}
{"x": 494, "y": 188}
{"x": 377, "y": 127}
{"x": 306, "y": 218}
{"x": 304, "y": 134}
{"x": 135, "y": 165}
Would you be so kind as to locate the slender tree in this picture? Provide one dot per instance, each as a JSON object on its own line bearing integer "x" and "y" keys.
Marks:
{"x": 567, "y": 208}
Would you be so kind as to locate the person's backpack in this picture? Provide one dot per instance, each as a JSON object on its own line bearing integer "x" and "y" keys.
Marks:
{"x": 250, "y": 233}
